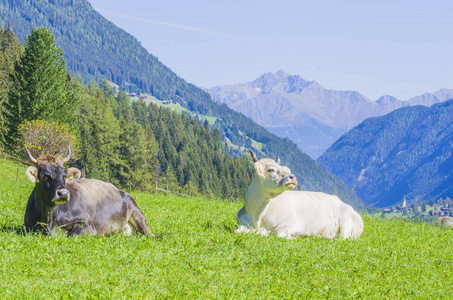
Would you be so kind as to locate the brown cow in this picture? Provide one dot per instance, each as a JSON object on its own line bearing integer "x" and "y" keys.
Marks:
{"x": 61, "y": 200}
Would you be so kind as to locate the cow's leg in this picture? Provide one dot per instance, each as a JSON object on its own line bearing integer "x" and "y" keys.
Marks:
{"x": 81, "y": 228}
{"x": 357, "y": 225}
{"x": 76, "y": 230}
{"x": 346, "y": 227}
{"x": 244, "y": 222}
{"x": 241, "y": 229}
{"x": 126, "y": 230}
{"x": 289, "y": 233}
{"x": 138, "y": 220}
{"x": 75, "y": 224}
{"x": 351, "y": 226}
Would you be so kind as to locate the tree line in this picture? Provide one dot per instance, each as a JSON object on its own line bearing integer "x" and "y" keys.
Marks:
{"x": 131, "y": 144}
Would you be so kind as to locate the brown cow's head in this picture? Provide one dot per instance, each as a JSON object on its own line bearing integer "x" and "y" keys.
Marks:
{"x": 50, "y": 177}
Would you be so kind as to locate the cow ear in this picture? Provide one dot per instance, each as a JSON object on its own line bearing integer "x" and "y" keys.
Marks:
{"x": 72, "y": 174}
{"x": 32, "y": 173}
{"x": 260, "y": 168}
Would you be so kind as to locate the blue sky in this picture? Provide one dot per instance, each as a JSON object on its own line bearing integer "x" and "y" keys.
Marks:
{"x": 398, "y": 48}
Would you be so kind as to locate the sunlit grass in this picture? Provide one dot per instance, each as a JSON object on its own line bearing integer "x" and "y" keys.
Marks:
{"x": 177, "y": 107}
{"x": 199, "y": 257}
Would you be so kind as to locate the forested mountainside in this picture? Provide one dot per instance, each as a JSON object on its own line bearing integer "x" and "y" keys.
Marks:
{"x": 133, "y": 145}
{"x": 136, "y": 144}
{"x": 405, "y": 154}
{"x": 95, "y": 48}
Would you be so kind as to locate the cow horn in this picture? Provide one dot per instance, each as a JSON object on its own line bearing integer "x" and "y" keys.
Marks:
{"x": 253, "y": 155}
{"x": 278, "y": 160}
{"x": 33, "y": 160}
{"x": 67, "y": 156}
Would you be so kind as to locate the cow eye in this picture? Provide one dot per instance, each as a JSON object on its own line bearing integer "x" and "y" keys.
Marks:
{"x": 270, "y": 170}
{"x": 45, "y": 177}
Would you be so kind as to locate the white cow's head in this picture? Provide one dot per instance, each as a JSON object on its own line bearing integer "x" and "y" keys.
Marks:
{"x": 272, "y": 177}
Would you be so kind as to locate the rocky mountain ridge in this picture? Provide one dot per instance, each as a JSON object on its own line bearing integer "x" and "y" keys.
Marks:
{"x": 304, "y": 111}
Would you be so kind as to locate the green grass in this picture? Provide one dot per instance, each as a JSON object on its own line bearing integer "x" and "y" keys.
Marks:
{"x": 199, "y": 258}
{"x": 257, "y": 145}
{"x": 178, "y": 108}
{"x": 211, "y": 120}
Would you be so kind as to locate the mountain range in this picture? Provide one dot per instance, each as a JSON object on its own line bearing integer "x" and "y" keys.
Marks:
{"x": 406, "y": 154}
{"x": 304, "y": 111}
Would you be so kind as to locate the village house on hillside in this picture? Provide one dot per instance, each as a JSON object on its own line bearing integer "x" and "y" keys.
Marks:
{"x": 135, "y": 95}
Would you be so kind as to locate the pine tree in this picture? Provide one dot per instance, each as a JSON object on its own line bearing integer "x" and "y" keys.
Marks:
{"x": 99, "y": 135}
{"x": 138, "y": 150}
{"x": 39, "y": 85}
{"x": 109, "y": 93}
{"x": 10, "y": 53}
{"x": 124, "y": 104}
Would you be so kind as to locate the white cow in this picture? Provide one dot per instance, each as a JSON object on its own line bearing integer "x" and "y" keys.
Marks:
{"x": 270, "y": 207}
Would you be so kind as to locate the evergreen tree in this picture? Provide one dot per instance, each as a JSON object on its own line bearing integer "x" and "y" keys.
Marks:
{"x": 169, "y": 180}
{"x": 99, "y": 136}
{"x": 10, "y": 53}
{"x": 138, "y": 150}
{"x": 124, "y": 104}
{"x": 39, "y": 85}
{"x": 109, "y": 93}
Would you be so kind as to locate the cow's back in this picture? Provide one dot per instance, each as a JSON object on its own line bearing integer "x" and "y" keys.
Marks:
{"x": 93, "y": 192}
{"x": 302, "y": 213}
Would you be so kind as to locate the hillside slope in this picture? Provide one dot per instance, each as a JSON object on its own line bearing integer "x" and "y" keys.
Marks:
{"x": 310, "y": 115}
{"x": 96, "y": 48}
{"x": 407, "y": 153}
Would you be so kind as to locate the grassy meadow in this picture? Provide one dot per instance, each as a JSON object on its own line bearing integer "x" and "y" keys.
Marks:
{"x": 199, "y": 258}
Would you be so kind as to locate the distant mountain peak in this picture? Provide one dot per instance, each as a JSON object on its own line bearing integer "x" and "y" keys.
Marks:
{"x": 281, "y": 82}
{"x": 387, "y": 99}
{"x": 313, "y": 116}
{"x": 281, "y": 73}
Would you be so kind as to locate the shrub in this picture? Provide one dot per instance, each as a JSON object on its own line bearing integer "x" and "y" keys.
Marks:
{"x": 42, "y": 137}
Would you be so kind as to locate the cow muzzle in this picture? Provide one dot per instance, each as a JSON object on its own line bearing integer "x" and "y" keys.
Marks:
{"x": 290, "y": 182}
{"x": 61, "y": 196}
